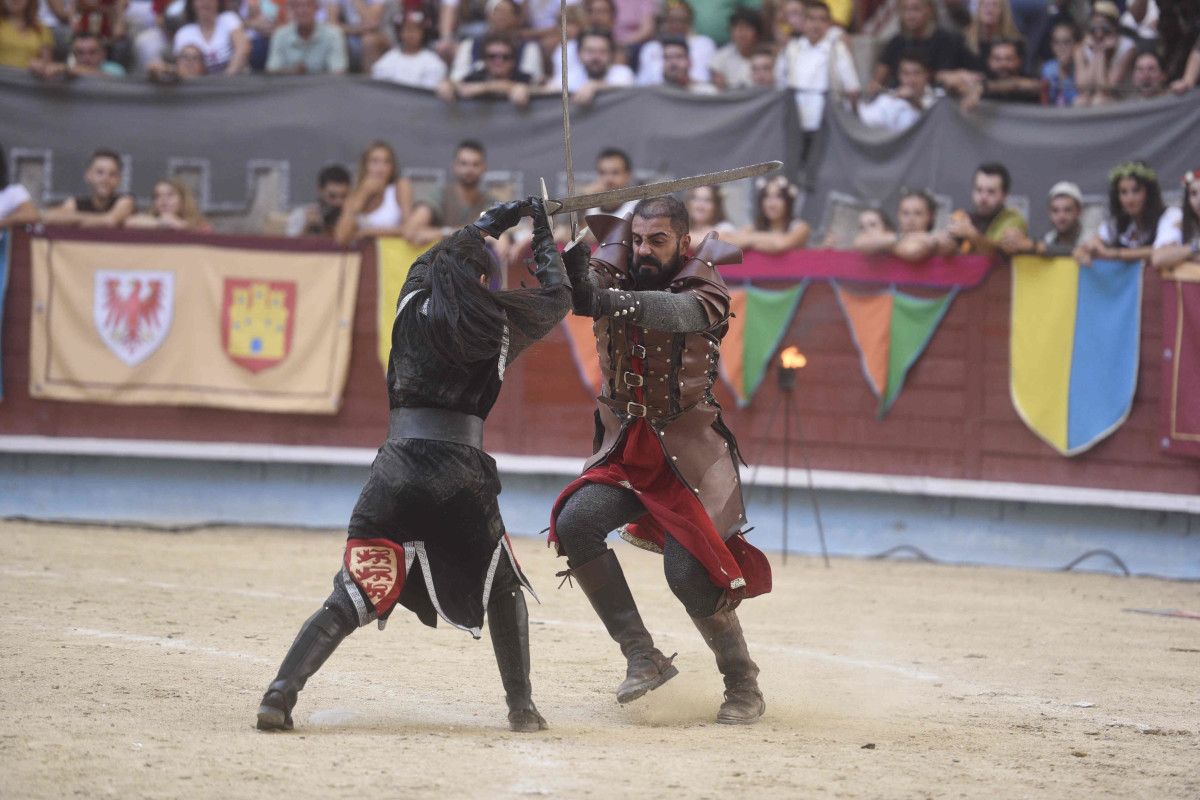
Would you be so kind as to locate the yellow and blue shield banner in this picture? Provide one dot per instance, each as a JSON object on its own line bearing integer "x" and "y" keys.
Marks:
{"x": 394, "y": 257}
{"x": 1074, "y": 347}
{"x": 204, "y": 322}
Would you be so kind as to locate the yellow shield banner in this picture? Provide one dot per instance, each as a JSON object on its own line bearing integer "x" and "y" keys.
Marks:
{"x": 221, "y": 323}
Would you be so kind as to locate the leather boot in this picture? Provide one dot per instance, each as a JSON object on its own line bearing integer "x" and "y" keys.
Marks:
{"x": 744, "y": 702}
{"x": 508, "y": 623}
{"x": 318, "y": 638}
{"x": 604, "y": 584}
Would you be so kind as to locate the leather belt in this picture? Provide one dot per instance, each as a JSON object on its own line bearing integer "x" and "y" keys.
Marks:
{"x": 436, "y": 424}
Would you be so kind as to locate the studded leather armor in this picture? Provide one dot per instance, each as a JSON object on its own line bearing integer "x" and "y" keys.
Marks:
{"x": 666, "y": 377}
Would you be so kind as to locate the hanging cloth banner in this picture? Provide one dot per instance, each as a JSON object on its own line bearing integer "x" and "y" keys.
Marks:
{"x": 5, "y": 246}
{"x": 394, "y": 256}
{"x": 760, "y": 318}
{"x": 960, "y": 271}
{"x": 204, "y": 321}
{"x": 891, "y": 330}
{"x": 1073, "y": 347}
{"x": 1181, "y": 361}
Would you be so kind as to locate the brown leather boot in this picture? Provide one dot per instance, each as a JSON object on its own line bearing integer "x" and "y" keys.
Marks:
{"x": 744, "y": 702}
{"x": 604, "y": 584}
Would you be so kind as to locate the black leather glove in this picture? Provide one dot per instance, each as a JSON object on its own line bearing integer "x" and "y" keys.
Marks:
{"x": 577, "y": 261}
{"x": 497, "y": 219}
{"x": 549, "y": 265}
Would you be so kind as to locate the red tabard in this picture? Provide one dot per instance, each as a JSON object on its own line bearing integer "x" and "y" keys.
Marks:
{"x": 734, "y": 565}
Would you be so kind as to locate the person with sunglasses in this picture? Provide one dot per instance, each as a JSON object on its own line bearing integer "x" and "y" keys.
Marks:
{"x": 1104, "y": 60}
{"x": 499, "y": 77}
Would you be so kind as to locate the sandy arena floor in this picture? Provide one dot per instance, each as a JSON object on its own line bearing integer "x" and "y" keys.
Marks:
{"x": 133, "y": 662}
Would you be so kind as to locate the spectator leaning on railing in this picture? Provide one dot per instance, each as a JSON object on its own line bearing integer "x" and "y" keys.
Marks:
{"x": 916, "y": 215}
{"x": 319, "y": 218}
{"x": 1065, "y": 206}
{"x": 505, "y": 21}
{"x": 706, "y": 213}
{"x": 1135, "y": 206}
{"x": 498, "y": 78}
{"x": 1003, "y": 81}
{"x": 87, "y": 59}
{"x": 381, "y": 202}
{"x": 1149, "y": 80}
{"x": 597, "y": 53}
{"x": 900, "y": 108}
{"x": 410, "y": 62}
{"x": 16, "y": 206}
{"x": 174, "y": 208}
{"x": 456, "y": 204}
{"x": 103, "y": 206}
{"x": 775, "y": 230}
{"x": 677, "y": 64}
{"x": 1177, "y": 240}
{"x": 306, "y": 47}
{"x": 982, "y": 229}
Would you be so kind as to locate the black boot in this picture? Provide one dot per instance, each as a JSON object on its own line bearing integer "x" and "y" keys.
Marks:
{"x": 508, "y": 623}
{"x": 318, "y": 638}
{"x": 604, "y": 584}
{"x": 744, "y": 702}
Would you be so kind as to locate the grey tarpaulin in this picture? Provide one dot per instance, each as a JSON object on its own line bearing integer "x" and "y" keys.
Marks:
{"x": 1040, "y": 146}
{"x": 311, "y": 121}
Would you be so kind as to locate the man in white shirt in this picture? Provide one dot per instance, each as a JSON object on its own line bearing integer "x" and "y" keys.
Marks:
{"x": 677, "y": 64}
{"x": 597, "y": 54}
{"x": 730, "y": 67}
{"x": 677, "y": 23}
{"x": 306, "y": 47}
{"x": 899, "y": 109}
{"x": 816, "y": 64}
{"x": 410, "y": 62}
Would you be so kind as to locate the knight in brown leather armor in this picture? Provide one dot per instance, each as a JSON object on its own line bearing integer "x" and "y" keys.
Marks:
{"x": 665, "y": 466}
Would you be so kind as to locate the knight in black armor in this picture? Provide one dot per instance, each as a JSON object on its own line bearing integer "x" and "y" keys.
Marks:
{"x": 426, "y": 531}
{"x": 665, "y": 467}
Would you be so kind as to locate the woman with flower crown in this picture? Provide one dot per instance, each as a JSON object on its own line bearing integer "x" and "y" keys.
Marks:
{"x": 775, "y": 230}
{"x": 1135, "y": 205}
{"x": 1178, "y": 238}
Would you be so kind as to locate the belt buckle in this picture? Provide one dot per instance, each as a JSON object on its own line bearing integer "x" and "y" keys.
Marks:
{"x": 639, "y": 351}
{"x": 634, "y": 379}
{"x": 635, "y": 409}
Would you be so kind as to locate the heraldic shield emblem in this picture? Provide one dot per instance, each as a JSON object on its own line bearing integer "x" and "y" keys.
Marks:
{"x": 132, "y": 310}
{"x": 256, "y": 321}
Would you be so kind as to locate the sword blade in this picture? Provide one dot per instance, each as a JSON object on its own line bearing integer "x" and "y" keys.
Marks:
{"x": 582, "y": 202}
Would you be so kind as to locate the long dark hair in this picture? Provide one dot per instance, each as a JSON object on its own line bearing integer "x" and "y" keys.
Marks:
{"x": 1191, "y": 223}
{"x": 465, "y": 320}
{"x": 786, "y": 188}
{"x": 1153, "y": 208}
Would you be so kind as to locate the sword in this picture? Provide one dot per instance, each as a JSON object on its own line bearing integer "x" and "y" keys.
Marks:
{"x": 582, "y": 202}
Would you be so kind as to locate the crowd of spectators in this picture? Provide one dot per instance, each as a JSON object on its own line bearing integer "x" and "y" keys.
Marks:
{"x": 1072, "y": 53}
{"x": 378, "y": 201}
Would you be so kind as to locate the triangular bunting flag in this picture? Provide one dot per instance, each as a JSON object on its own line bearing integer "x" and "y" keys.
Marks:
{"x": 891, "y": 330}
{"x": 394, "y": 257}
{"x": 760, "y": 318}
{"x": 1073, "y": 350}
{"x": 582, "y": 340}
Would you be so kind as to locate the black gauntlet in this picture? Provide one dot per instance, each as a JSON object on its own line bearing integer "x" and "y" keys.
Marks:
{"x": 497, "y": 219}
{"x": 549, "y": 264}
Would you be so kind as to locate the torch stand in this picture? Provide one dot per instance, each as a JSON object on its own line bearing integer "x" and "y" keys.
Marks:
{"x": 787, "y": 385}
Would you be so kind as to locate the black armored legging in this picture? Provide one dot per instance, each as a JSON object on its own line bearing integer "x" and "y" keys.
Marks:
{"x": 596, "y": 509}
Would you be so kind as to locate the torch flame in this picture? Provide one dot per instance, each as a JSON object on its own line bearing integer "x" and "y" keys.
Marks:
{"x": 792, "y": 358}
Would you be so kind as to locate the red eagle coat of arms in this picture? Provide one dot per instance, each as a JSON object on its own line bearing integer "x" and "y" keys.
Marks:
{"x": 257, "y": 318}
{"x": 132, "y": 310}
